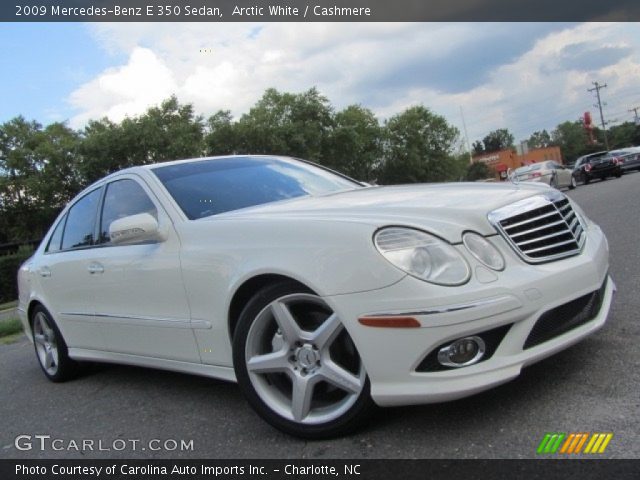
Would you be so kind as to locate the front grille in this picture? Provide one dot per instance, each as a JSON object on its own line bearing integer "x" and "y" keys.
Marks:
{"x": 541, "y": 228}
{"x": 566, "y": 317}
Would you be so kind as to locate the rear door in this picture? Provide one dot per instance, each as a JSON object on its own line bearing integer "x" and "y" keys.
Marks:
{"x": 64, "y": 277}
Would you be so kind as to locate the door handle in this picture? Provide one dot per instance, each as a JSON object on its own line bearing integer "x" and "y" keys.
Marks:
{"x": 44, "y": 272}
{"x": 95, "y": 267}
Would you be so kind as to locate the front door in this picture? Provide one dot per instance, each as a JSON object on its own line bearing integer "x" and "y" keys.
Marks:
{"x": 140, "y": 300}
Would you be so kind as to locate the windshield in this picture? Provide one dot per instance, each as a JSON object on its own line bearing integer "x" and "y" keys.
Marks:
{"x": 209, "y": 187}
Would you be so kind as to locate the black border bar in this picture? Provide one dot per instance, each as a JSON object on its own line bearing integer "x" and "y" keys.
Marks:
{"x": 320, "y": 468}
{"x": 317, "y": 10}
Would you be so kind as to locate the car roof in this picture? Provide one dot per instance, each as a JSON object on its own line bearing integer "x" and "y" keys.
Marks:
{"x": 595, "y": 154}
{"x": 146, "y": 168}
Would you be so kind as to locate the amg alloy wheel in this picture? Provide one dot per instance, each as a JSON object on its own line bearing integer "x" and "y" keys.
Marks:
{"x": 298, "y": 366}
{"x": 51, "y": 350}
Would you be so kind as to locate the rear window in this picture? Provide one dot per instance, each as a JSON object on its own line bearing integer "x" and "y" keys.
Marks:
{"x": 529, "y": 168}
{"x": 78, "y": 231}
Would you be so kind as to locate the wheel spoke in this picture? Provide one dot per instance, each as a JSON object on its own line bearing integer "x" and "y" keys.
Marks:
{"x": 301, "y": 397}
{"x": 39, "y": 338}
{"x": 286, "y": 322}
{"x": 326, "y": 333}
{"x": 269, "y": 362}
{"x": 48, "y": 359}
{"x": 339, "y": 377}
{"x": 54, "y": 357}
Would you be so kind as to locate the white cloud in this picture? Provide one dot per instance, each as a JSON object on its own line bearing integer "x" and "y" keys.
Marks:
{"x": 386, "y": 67}
{"x": 126, "y": 90}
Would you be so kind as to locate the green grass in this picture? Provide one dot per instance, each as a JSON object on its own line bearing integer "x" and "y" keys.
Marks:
{"x": 7, "y": 305}
{"x": 11, "y": 338}
{"x": 10, "y": 327}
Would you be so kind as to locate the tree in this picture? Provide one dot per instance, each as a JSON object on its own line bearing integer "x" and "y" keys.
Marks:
{"x": 222, "y": 136}
{"x": 286, "y": 124}
{"x": 168, "y": 132}
{"x": 496, "y": 140}
{"x": 540, "y": 139}
{"x": 354, "y": 146}
{"x": 38, "y": 175}
{"x": 626, "y": 134}
{"x": 478, "y": 171}
{"x": 418, "y": 147}
{"x": 573, "y": 140}
{"x": 478, "y": 147}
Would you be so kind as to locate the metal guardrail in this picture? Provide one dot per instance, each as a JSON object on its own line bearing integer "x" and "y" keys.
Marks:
{"x": 9, "y": 248}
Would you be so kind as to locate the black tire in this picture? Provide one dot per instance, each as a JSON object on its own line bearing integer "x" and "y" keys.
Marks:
{"x": 587, "y": 180}
{"x": 347, "y": 422}
{"x": 618, "y": 174}
{"x": 553, "y": 183}
{"x": 572, "y": 183}
{"x": 65, "y": 368}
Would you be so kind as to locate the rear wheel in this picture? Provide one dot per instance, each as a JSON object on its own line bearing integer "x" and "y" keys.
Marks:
{"x": 51, "y": 349}
{"x": 297, "y": 365}
{"x": 586, "y": 180}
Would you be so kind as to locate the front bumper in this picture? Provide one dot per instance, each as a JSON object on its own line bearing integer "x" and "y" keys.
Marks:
{"x": 517, "y": 296}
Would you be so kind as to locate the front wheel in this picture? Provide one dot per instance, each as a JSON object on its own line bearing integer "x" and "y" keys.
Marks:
{"x": 573, "y": 183}
{"x": 297, "y": 365}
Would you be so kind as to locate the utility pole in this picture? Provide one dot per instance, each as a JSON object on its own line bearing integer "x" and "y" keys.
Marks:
{"x": 599, "y": 105}
{"x": 636, "y": 118}
{"x": 464, "y": 125}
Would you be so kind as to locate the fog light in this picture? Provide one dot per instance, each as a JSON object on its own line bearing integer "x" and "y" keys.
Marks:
{"x": 463, "y": 352}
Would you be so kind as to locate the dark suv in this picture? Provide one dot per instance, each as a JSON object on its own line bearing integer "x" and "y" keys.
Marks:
{"x": 596, "y": 165}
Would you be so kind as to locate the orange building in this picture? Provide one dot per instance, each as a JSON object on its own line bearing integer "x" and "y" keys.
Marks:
{"x": 503, "y": 160}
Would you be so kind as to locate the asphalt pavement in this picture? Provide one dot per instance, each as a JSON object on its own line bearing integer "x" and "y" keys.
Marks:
{"x": 591, "y": 387}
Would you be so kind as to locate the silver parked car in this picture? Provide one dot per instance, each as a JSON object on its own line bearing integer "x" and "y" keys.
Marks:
{"x": 627, "y": 158}
{"x": 550, "y": 172}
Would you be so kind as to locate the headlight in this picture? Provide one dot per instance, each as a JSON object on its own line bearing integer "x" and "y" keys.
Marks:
{"x": 422, "y": 255}
{"x": 483, "y": 250}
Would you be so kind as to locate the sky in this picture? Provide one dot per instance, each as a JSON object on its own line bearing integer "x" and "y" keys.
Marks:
{"x": 520, "y": 76}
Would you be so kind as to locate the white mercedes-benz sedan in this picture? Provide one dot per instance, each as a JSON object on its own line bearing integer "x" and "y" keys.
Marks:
{"x": 321, "y": 296}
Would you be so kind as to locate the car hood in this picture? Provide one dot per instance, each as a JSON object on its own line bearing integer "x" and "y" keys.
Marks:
{"x": 444, "y": 209}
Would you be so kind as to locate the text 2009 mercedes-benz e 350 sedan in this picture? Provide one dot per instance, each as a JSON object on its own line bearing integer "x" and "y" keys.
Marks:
{"x": 320, "y": 296}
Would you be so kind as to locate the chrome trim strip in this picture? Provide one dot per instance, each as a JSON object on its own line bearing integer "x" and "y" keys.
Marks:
{"x": 443, "y": 309}
{"x": 144, "y": 321}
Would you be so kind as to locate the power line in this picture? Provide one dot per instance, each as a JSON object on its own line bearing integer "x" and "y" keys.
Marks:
{"x": 604, "y": 125}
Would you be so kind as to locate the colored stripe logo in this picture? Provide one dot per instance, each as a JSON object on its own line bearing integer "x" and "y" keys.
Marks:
{"x": 574, "y": 443}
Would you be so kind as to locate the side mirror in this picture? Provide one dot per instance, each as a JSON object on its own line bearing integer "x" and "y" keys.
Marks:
{"x": 142, "y": 227}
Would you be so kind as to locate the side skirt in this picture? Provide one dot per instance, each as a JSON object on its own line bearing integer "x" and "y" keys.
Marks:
{"x": 212, "y": 371}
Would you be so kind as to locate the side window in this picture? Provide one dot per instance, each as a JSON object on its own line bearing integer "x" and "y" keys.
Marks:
{"x": 78, "y": 231}
{"x": 56, "y": 238}
{"x": 123, "y": 198}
